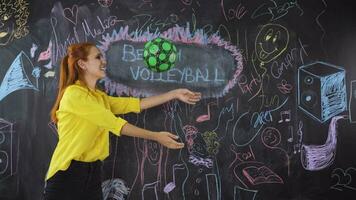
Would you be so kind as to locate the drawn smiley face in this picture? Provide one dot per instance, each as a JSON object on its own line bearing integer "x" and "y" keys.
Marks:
{"x": 271, "y": 41}
{"x": 6, "y": 28}
{"x": 13, "y": 20}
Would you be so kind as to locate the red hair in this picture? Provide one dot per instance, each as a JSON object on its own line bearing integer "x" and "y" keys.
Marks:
{"x": 70, "y": 72}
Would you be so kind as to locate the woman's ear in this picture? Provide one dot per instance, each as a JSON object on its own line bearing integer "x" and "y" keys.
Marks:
{"x": 81, "y": 64}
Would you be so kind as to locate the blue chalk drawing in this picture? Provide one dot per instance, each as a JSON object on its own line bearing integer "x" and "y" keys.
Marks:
{"x": 16, "y": 77}
{"x": 321, "y": 90}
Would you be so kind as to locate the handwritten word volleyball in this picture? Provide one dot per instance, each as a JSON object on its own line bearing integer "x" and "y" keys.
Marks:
{"x": 159, "y": 54}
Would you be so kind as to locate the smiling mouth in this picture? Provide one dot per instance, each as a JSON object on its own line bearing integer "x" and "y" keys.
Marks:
{"x": 263, "y": 53}
{"x": 4, "y": 33}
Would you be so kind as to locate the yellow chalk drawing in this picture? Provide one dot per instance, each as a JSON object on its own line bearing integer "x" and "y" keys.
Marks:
{"x": 13, "y": 20}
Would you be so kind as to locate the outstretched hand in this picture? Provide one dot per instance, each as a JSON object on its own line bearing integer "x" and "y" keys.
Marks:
{"x": 168, "y": 140}
{"x": 187, "y": 96}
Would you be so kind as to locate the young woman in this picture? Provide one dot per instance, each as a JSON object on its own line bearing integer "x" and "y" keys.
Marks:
{"x": 84, "y": 116}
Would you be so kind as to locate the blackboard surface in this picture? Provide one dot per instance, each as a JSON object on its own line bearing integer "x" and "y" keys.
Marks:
{"x": 278, "y": 115}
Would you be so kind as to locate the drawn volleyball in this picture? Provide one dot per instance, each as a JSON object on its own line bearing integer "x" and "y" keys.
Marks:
{"x": 159, "y": 54}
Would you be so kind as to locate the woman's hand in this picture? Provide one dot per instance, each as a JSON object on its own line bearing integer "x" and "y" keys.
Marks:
{"x": 187, "y": 96}
{"x": 184, "y": 95}
{"x": 168, "y": 140}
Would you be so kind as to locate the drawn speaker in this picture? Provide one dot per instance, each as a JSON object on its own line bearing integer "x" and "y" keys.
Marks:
{"x": 321, "y": 90}
{"x": 7, "y": 150}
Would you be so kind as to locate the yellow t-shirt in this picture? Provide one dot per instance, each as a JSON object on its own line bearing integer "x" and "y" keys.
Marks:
{"x": 84, "y": 121}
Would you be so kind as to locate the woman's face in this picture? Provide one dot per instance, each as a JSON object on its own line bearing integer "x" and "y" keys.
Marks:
{"x": 95, "y": 65}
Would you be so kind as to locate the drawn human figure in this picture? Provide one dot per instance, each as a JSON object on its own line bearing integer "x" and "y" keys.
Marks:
{"x": 202, "y": 178}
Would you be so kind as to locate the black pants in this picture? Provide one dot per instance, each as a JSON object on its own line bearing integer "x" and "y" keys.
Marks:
{"x": 82, "y": 180}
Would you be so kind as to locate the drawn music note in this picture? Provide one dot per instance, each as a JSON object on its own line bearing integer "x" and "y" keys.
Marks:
{"x": 203, "y": 118}
{"x": 171, "y": 185}
{"x": 291, "y": 134}
{"x": 299, "y": 139}
{"x": 296, "y": 148}
{"x": 147, "y": 187}
{"x": 285, "y": 116}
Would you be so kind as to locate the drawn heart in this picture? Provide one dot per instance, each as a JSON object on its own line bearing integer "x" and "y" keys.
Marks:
{"x": 71, "y": 14}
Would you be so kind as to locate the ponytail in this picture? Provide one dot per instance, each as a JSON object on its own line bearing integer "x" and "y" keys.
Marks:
{"x": 70, "y": 72}
{"x": 63, "y": 80}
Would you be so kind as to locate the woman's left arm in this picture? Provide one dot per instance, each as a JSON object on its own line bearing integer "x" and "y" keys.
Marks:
{"x": 184, "y": 95}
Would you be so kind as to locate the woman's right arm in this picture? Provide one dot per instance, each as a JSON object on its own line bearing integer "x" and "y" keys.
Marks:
{"x": 165, "y": 138}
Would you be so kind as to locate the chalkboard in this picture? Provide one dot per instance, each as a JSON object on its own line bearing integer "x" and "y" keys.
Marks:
{"x": 278, "y": 114}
